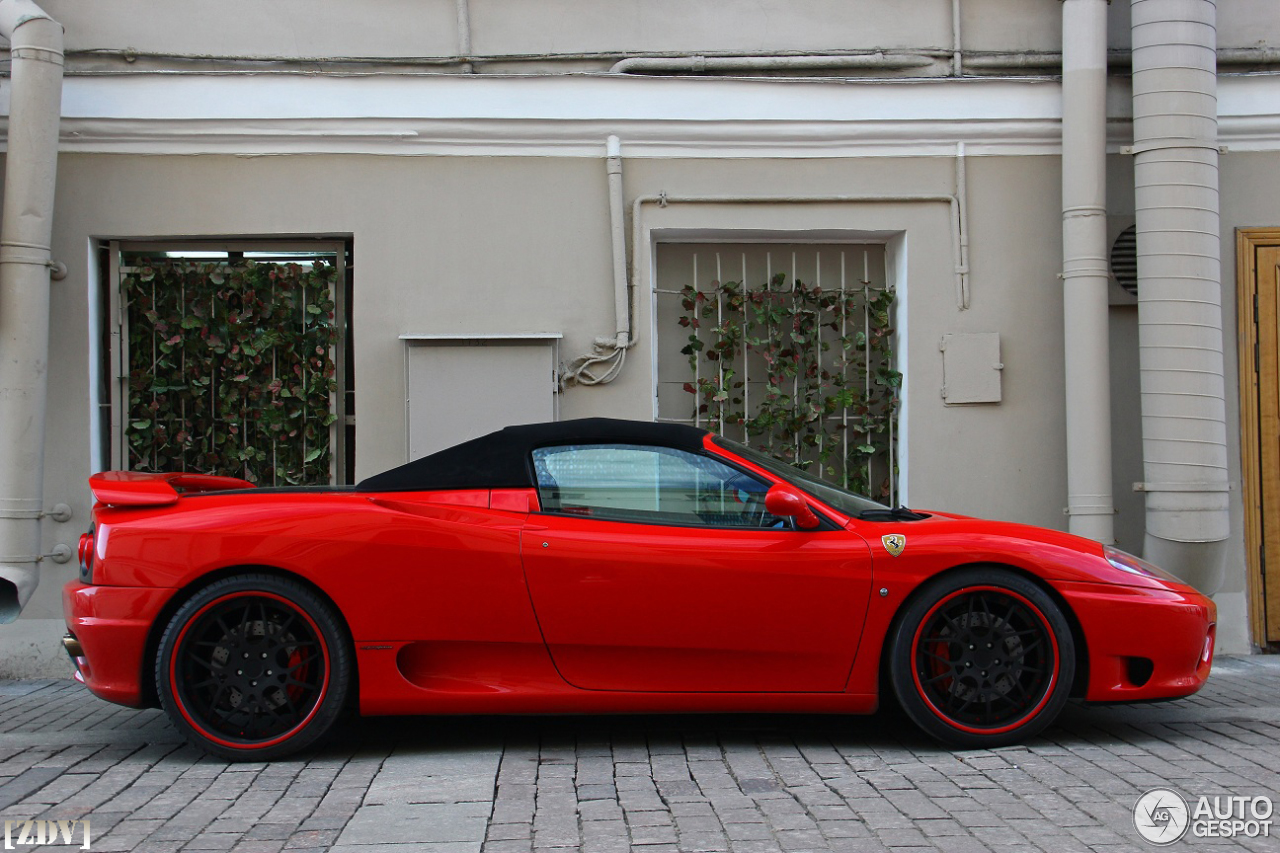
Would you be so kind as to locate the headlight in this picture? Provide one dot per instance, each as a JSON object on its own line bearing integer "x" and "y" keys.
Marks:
{"x": 1126, "y": 562}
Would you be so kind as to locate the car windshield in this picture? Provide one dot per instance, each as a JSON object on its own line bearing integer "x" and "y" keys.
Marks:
{"x": 850, "y": 503}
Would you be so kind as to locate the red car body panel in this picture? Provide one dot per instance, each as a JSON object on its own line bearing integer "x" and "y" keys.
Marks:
{"x": 367, "y": 553}
{"x": 112, "y": 625}
{"x": 1173, "y": 629}
{"x": 475, "y": 601}
{"x": 746, "y": 611}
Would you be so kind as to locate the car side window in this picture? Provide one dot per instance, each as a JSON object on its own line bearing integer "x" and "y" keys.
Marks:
{"x": 654, "y": 485}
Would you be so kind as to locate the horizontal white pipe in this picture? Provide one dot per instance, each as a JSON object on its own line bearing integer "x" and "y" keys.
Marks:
{"x": 700, "y": 64}
{"x": 610, "y": 353}
{"x": 82, "y": 60}
{"x": 1048, "y": 61}
{"x": 662, "y": 200}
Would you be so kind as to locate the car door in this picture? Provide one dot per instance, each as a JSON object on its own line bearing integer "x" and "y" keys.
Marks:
{"x": 655, "y": 569}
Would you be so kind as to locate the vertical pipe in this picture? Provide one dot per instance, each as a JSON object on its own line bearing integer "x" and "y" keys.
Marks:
{"x": 1090, "y": 509}
{"x": 26, "y": 232}
{"x": 618, "y": 235}
{"x": 462, "y": 9}
{"x": 957, "y": 55}
{"x": 962, "y": 228}
{"x": 1175, "y": 140}
{"x": 612, "y": 350}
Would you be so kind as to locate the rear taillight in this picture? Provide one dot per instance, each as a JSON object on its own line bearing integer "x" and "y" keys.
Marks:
{"x": 86, "y": 557}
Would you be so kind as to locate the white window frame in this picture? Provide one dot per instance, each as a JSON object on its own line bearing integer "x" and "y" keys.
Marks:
{"x": 782, "y": 222}
{"x": 115, "y": 453}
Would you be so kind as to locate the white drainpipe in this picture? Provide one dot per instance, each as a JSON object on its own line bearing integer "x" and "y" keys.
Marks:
{"x": 35, "y": 105}
{"x": 1179, "y": 291}
{"x": 1090, "y": 509}
{"x": 604, "y": 363}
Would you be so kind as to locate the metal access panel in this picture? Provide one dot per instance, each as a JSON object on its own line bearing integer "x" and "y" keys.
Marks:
{"x": 971, "y": 368}
{"x": 460, "y": 388}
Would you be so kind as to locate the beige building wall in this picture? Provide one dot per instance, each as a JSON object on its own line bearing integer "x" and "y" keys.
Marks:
{"x": 446, "y": 245}
{"x": 461, "y": 245}
{"x": 450, "y": 242}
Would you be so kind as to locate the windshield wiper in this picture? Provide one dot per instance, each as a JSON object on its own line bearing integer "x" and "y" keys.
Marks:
{"x": 898, "y": 513}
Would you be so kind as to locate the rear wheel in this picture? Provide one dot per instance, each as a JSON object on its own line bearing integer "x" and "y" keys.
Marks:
{"x": 254, "y": 667}
{"x": 981, "y": 658}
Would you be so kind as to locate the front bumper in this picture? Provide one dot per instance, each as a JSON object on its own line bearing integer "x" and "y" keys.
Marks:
{"x": 1143, "y": 643}
{"x": 109, "y": 627}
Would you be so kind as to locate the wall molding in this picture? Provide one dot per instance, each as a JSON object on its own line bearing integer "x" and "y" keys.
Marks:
{"x": 249, "y": 114}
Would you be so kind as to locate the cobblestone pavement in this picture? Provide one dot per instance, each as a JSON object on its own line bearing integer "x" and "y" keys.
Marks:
{"x": 714, "y": 783}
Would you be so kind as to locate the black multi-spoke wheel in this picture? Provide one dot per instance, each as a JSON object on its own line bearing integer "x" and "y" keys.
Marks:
{"x": 982, "y": 657}
{"x": 253, "y": 667}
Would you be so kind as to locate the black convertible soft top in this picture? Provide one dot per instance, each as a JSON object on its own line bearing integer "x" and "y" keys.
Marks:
{"x": 501, "y": 460}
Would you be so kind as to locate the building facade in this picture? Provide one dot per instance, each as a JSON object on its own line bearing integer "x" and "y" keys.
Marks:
{"x": 500, "y": 208}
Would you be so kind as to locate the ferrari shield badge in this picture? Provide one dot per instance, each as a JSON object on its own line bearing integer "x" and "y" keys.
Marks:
{"x": 894, "y": 543}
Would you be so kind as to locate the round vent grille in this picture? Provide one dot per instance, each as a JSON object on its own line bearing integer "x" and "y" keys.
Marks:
{"x": 1124, "y": 259}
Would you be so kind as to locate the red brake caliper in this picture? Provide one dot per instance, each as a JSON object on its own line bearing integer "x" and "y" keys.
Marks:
{"x": 299, "y": 676}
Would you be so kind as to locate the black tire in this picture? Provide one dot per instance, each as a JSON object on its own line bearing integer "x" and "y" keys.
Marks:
{"x": 254, "y": 667}
{"x": 981, "y": 657}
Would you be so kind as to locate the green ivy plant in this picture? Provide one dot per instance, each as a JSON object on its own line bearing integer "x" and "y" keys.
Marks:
{"x": 231, "y": 368}
{"x": 828, "y": 373}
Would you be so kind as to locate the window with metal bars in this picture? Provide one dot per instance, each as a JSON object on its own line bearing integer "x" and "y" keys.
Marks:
{"x": 231, "y": 358}
{"x": 786, "y": 347}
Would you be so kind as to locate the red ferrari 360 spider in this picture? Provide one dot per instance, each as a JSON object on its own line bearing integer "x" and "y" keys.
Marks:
{"x": 603, "y": 566}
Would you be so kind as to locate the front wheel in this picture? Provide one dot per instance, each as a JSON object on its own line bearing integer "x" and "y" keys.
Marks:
{"x": 982, "y": 658}
{"x": 254, "y": 667}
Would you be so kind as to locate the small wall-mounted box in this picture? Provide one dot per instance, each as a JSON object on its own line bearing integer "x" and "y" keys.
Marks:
{"x": 971, "y": 368}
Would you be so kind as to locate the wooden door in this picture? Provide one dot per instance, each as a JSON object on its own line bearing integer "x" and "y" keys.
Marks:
{"x": 1259, "y": 310}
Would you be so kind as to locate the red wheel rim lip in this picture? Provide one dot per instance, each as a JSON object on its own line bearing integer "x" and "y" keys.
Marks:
{"x": 247, "y": 745}
{"x": 1048, "y": 689}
